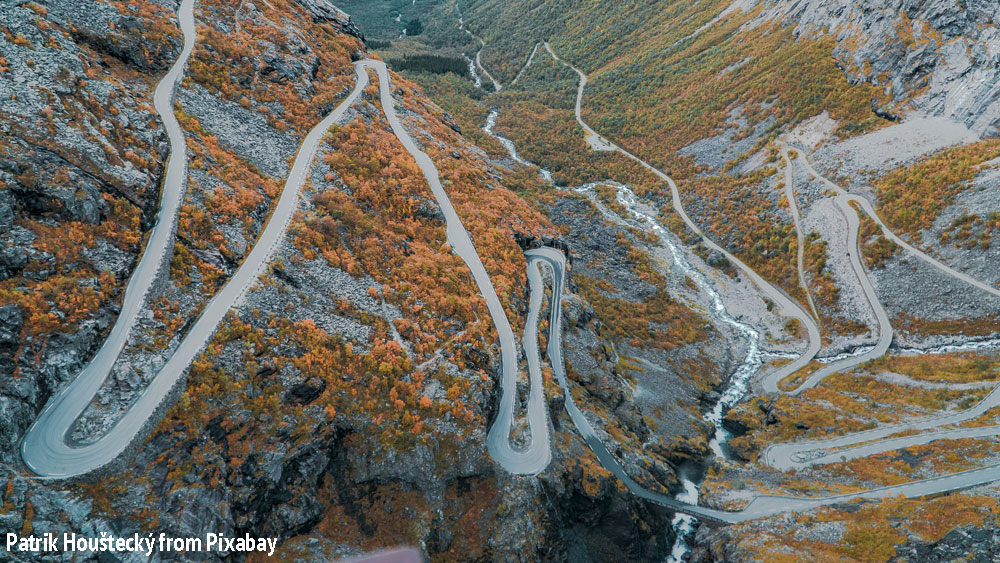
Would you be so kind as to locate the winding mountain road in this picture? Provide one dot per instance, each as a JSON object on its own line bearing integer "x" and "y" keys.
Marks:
{"x": 800, "y": 454}
{"x": 788, "y": 307}
{"x": 800, "y": 237}
{"x": 761, "y": 505}
{"x": 534, "y": 457}
{"x": 48, "y": 451}
{"x": 779, "y": 455}
{"x": 555, "y": 261}
{"x": 461, "y": 25}
{"x": 884, "y": 326}
{"x": 842, "y": 200}
{"x": 869, "y": 209}
{"x": 46, "y": 448}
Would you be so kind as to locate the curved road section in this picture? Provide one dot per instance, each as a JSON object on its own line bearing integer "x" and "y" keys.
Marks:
{"x": 842, "y": 200}
{"x": 762, "y": 505}
{"x": 795, "y": 455}
{"x": 885, "y": 327}
{"x": 534, "y": 457}
{"x": 478, "y": 62}
{"x": 788, "y": 306}
{"x": 555, "y": 261}
{"x": 869, "y": 209}
{"x": 46, "y": 448}
{"x": 39, "y": 449}
{"x": 801, "y": 249}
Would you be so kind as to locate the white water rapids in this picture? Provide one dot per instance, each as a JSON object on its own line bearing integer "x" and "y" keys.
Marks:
{"x": 739, "y": 382}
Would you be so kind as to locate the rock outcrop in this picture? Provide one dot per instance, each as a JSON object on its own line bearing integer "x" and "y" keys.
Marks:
{"x": 324, "y": 11}
{"x": 939, "y": 57}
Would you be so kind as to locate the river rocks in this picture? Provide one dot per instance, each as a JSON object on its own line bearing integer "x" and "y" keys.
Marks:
{"x": 734, "y": 427}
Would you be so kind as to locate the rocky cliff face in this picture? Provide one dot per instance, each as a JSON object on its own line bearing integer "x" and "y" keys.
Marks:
{"x": 81, "y": 155}
{"x": 326, "y": 12}
{"x": 80, "y": 161}
{"x": 939, "y": 58}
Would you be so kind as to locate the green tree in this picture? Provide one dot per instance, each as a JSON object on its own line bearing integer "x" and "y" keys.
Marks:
{"x": 414, "y": 27}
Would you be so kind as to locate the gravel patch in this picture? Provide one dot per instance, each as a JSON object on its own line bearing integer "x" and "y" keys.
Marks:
{"x": 813, "y": 131}
{"x": 882, "y": 150}
{"x": 716, "y": 151}
{"x": 826, "y": 219}
{"x": 245, "y": 132}
{"x": 908, "y": 285}
{"x": 906, "y": 381}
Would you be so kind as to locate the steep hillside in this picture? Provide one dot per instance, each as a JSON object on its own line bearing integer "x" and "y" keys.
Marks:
{"x": 777, "y": 120}
{"x": 306, "y": 288}
{"x": 79, "y": 182}
{"x": 343, "y": 405}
